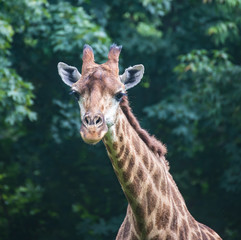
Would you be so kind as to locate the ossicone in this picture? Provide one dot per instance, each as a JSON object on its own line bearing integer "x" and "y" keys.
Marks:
{"x": 114, "y": 53}
{"x": 88, "y": 57}
{"x": 88, "y": 54}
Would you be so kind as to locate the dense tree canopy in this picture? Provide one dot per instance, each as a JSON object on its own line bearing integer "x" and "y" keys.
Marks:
{"x": 52, "y": 185}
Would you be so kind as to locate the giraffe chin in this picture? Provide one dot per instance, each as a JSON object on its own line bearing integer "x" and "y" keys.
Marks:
{"x": 92, "y": 135}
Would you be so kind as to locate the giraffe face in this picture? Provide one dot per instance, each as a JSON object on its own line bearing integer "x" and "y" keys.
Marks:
{"x": 99, "y": 90}
{"x": 99, "y": 94}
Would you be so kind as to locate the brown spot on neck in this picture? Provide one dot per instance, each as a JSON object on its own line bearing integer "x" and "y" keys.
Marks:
{"x": 115, "y": 146}
{"x": 151, "y": 199}
{"x": 134, "y": 187}
{"x": 174, "y": 220}
{"x": 145, "y": 160}
{"x": 117, "y": 127}
{"x": 177, "y": 200}
{"x": 157, "y": 178}
{"x": 136, "y": 144}
{"x": 163, "y": 217}
{"x": 127, "y": 228}
{"x": 121, "y": 137}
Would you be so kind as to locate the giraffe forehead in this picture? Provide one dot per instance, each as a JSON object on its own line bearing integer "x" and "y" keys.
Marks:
{"x": 99, "y": 81}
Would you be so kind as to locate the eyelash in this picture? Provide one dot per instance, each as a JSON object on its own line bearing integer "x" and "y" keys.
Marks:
{"x": 119, "y": 96}
{"x": 76, "y": 94}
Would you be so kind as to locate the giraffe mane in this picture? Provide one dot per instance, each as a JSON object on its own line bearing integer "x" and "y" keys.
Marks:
{"x": 156, "y": 146}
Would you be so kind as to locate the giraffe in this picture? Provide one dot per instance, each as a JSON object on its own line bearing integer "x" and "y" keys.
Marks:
{"x": 156, "y": 209}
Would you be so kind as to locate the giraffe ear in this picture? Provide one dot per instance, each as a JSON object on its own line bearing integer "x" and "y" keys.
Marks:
{"x": 132, "y": 76}
{"x": 68, "y": 73}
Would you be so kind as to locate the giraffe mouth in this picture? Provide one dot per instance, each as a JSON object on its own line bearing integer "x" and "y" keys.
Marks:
{"x": 93, "y": 135}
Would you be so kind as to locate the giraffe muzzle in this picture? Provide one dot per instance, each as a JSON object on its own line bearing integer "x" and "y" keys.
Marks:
{"x": 96, "y": 120}
{"x": 93, "y": 128}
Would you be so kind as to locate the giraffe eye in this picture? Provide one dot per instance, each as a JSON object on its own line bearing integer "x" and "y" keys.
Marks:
{"x": 119, "y": 96}
{"x": 76, "y": 94}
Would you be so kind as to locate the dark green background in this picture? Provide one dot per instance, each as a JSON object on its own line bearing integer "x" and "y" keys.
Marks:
{"x": 52, "y": 185}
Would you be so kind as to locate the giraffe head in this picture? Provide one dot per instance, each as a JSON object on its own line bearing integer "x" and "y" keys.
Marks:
{"x": 99, "y": 90}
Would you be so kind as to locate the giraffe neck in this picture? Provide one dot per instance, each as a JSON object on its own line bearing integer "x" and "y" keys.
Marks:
{"x": 143, "y": 177}
{"x": 156, "y": 208}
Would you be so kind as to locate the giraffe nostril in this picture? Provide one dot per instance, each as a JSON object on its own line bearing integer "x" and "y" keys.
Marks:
{"x": 87, "y": 120}
{"x": 98, "y": 120}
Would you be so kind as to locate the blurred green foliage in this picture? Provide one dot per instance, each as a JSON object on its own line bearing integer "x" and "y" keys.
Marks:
{"x": 52, "y": 185}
